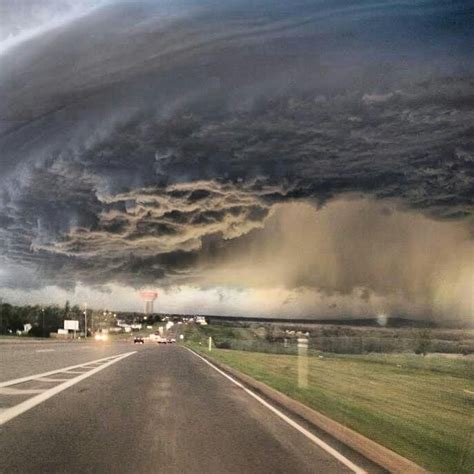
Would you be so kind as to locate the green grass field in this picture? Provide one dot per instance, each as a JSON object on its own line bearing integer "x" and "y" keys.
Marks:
{"x": 420, "y": 407}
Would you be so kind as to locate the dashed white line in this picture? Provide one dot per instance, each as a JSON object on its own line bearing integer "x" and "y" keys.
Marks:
{"x": 46, "y": 350}
{"x": 330, "y": 450}
{"x": 17, "y": 410}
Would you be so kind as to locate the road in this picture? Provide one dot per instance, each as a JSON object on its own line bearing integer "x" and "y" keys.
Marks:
{"x": 22, "y": 359}
{"x": 159, "y": 409}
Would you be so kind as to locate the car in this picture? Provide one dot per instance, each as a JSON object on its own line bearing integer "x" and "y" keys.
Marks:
{"x": 138, "y": 340}
{"x": 101, "y": 336}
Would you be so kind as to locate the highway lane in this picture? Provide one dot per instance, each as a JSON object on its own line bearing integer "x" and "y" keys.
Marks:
{"x": 28, "y": 358}
{"x": 161, "y": 409}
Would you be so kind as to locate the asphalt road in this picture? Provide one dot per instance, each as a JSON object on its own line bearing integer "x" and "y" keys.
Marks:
{"x": 161, "y": 409}
{"x": 28, "y": 358}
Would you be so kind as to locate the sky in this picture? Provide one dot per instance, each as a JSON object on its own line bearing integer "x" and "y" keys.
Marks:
{"x": 305, "y": 159}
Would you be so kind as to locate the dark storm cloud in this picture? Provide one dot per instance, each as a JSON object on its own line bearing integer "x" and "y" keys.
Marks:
{"x": 142, "y": 138}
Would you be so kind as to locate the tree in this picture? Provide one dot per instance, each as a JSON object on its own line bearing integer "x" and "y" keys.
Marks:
{"x": 270, "y": 335}
{"x": 423, "y": 342}
{"x": 10, "y": 318}
{"x": 67, "y": 309}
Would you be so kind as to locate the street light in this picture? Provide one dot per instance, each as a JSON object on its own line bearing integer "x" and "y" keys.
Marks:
{"x": 42, "y": 312}
{"x": 85, "y": 320}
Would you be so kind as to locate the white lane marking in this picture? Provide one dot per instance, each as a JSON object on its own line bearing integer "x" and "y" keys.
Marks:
{"x": 19, "y": 391}
{"x": 336, "y": 454}
{"x": 45, "y": 350}
{"x": 17, "y": 410}
{"x": 52, "y": 372}
{"x": 49, "y": 380}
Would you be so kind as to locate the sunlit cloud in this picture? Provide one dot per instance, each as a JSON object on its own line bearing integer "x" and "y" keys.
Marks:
{"x": 25, "y": 20}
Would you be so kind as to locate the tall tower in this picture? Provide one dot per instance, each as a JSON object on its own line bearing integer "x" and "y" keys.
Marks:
{"x": 148, "y": 297}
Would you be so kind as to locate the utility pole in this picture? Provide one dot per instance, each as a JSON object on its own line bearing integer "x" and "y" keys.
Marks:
{"x": 42, "y": 312}
{"x": 1, "y": 315}
{"x": 85, "y": 320}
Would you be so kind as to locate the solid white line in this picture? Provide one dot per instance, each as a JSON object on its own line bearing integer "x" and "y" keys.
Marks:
{"x": 336, "y": 454}
{"x": 19, "y": 391}
{"x": 52, "y": 372}
{"x": 17, "y": 410}
{"x": 48, "y": 380}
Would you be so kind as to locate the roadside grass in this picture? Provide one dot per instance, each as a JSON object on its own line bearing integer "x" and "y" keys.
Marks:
{"x": 420, "y": 407}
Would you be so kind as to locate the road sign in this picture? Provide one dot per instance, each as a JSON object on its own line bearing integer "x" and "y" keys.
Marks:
{"x": 71, "y": 325}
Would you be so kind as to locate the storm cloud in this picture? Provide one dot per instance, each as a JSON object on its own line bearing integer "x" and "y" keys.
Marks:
{"x": 159, "y": 143}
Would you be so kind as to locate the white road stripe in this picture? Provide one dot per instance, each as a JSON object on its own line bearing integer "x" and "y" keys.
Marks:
{"x": 45, "y": 350}
{"x": 53, "y": 372}
{"x": 19, "y": 391}
{"x": 49, "y": 380}
{"x": 17, "y": 410}
{"x": 336, "y": 454}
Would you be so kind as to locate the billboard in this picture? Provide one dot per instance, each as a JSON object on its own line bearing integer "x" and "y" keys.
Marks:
{"x": 71, "y": 325}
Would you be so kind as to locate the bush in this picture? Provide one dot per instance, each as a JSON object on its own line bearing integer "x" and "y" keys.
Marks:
{"x": 423, "y": 342}
{"x": 37, "y": 331}
{"x": 223, "y": 345}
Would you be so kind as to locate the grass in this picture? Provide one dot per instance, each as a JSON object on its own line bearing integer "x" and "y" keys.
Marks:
{"x": 420, "y": 407}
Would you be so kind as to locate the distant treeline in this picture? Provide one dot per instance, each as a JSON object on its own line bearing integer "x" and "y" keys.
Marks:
{"x": 43, "y": 319}
{"x": 48, "y": 319}
{"x": 389, "y": 322}
{"x": 394, "y": 322}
